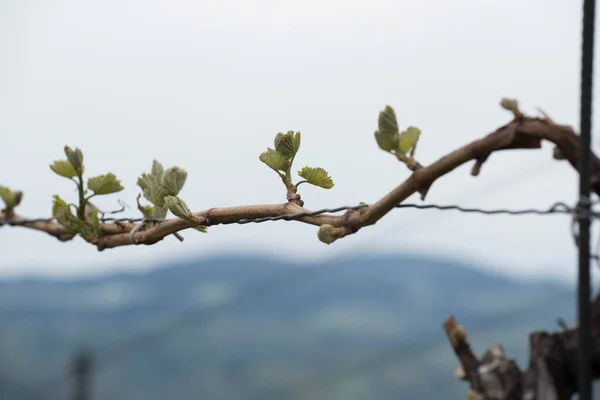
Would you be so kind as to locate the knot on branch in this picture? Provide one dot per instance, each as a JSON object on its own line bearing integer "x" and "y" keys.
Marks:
{"x": 9, "y": 214}
{"x": 296, "y": 199}
{"x": 208, "y": 216}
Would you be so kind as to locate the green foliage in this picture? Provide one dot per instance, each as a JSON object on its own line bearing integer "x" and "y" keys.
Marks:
{"x": 75, "y": 157}
{"x": 386, "y": 142}
{"x": 388, "y": 138}
{"x": 180, "y": 209}
{"x": 61, "y": 211}
{"x": 157, "y": 185}
{"x": 72, "y": 166}
{"x": 87, "y": 214}
{"x": 11, "y": 199}
{"x": 509, "y": 104}
{"x": 281, "y": 158}
{"x": 316, "y": 176}
{"x": 274, "y": 160}
{"x": 408, "y": 140}
{"x": 92, "y": 217}
{"x": 104, "y": 184}
{"x": 64, "y": 168}
{"x": 287, "y": 144}
{"x": 173, "y": 180}
{"x": 387, "y": 135}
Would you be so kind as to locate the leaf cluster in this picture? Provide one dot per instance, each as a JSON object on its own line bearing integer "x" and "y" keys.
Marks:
{"x": 63, "y": 213}
{"x": 161, "y": 187}
{"x": 11, "y": 199}
{"x": 389, "y": 138}
{"x": 84, "y": 218}
{"x": 281, "y": 158}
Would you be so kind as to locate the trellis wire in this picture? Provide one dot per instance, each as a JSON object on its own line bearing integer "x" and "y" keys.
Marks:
{"x": 556, "y": 208}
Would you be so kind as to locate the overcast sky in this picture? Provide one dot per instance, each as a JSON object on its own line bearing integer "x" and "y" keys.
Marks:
{"x": 206, "y": 86}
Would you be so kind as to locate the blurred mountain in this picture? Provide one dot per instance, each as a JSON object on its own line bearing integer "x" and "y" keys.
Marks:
{"x": 250, "y": 327}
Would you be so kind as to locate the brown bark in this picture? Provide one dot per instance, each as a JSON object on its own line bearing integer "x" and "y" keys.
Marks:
{"x": 521, "y": 133}
{"x": 550, "y": 375}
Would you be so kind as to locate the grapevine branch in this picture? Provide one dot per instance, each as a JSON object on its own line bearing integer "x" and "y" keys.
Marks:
{"x": 522, "y": 132}
{"x": 551, "y": 373}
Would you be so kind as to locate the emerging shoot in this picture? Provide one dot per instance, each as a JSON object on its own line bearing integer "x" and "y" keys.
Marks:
{"x": 281, "y": 159}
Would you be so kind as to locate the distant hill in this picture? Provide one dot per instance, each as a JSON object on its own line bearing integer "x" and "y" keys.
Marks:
{"x": 249, "y": 327}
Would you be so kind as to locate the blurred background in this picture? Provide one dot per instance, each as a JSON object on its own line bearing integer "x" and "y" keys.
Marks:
{"x": 266, "y": 311}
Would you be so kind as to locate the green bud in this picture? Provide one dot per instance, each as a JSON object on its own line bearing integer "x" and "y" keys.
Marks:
{"x": 329, "y": 233}
{"x": 180, "y": 209}
{"x": 510, "y": 104}
{"x": 75, "y": 157}
{"x": 6, "y": 195}
{"x": 17, "y": 197}
{"x": 459, "y": 334}
{"x": 11, "y": 199}
{"x": 287, "y": 144}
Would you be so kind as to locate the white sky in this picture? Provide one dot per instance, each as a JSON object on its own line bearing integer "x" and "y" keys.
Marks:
{"x": 207, "y": 85}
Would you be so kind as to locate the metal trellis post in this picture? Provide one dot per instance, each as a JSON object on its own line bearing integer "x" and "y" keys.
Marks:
{"x": 584, "y": 290}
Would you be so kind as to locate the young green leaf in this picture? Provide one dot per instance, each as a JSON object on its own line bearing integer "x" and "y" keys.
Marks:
{"x": 316, "y": 176}
{"x": 387, "y": 135}
{"x": 91, "y": 215}
{"x": 386, "y": 142}
{"x": 16, "y": 198}
{"x": 11, "y": 199}
{"x": 95, "y": 222}
{"x": 89, "y": 209}
{"x": 6, "y": 196}
{"x": 63, "y": 215}
{"x": 178, "y": 207}
{"x": 274, "y": 160}
{"x": 160, "y": 210}
{"x": 75, "y": 157}
{"x": 148, "y": 210}
{"x": 104, "y": 184}
{"x": 58, "y": 205}
{"x": 157, "y": 170}
{"x": 151, "y": 184}
{"x": 173, "y": 180}
{"x": 387, "y": 121}
{"x": 64, "y": 168}
{"x": 408, "y": 139}
{"x": 144, "y": 181}
{"x": 155, "y": 177}
{"x": 287, "y": 144}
